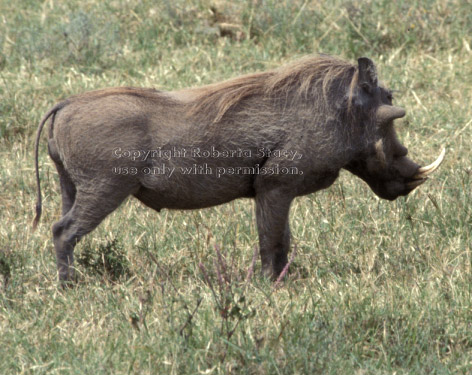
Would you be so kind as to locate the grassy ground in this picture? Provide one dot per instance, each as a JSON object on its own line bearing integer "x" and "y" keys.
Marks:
{"x": 377, "y": 287}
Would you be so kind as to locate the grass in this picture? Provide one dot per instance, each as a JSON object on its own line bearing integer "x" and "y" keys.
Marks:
{"x": 376, "y": 287}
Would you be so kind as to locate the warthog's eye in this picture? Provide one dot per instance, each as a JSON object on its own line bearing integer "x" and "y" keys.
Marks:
{"x": 389, "y": 95}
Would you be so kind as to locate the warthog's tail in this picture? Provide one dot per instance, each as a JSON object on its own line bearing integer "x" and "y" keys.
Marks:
{"x": 51, "y": 112}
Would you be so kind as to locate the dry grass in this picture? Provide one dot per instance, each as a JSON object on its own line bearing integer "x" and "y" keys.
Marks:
{"x": 376, "y": 287}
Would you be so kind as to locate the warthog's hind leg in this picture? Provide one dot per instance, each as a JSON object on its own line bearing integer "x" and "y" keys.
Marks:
{"x": 68, "y": 189}
{"x": 272, "y": 210}
{"x": 87, "y": 212}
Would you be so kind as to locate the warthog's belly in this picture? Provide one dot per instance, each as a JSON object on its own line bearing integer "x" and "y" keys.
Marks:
{"x": 193, "y": 191}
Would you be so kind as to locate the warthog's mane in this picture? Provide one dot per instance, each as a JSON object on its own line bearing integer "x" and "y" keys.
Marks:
{"x": 320, "y": 76}
{"x": 322, "y": 79}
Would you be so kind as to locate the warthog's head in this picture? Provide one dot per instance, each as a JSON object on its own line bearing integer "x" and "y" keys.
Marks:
{"x": 383, "y": 163}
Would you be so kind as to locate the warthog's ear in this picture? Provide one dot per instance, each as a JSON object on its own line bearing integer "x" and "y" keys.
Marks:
{"x": 367, "y": 74}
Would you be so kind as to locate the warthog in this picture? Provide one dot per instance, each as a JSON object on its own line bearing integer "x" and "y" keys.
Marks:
{"x": 271, "y": 136}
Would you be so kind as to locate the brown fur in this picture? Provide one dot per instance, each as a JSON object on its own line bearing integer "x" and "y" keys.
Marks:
{"x": 321, "y": 108}
{"x": 310, "y": 75}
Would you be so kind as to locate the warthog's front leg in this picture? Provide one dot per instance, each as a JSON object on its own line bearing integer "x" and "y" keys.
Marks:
{"x": 272, "y": 210}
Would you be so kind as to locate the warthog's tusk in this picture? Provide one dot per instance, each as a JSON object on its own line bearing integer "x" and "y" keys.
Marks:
{"x": 426, "y": 171}
{"x": 415, "y": 183}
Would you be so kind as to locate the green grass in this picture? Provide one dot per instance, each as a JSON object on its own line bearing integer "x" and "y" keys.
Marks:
{"x": 376, "y": 287}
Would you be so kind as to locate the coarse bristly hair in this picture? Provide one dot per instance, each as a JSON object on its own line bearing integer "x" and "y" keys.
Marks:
{"x": 318, "y": 75}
